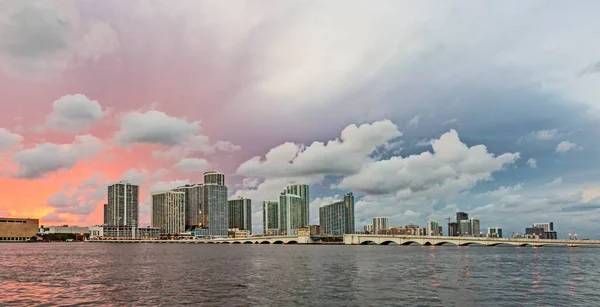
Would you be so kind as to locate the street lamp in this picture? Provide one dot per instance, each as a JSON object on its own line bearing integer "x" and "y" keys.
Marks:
{"x": 575, "y": 236}
{"x": 570, "y": 237}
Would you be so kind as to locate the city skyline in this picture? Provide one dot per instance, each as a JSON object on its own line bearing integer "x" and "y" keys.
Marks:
{"x": 421, "y": 110}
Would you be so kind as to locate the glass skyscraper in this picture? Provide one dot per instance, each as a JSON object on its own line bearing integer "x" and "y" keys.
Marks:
{"x": 194, "y": 195}
{"x": 213, "y": 211}
{"x": 122, "y": 208}
{"x": 338, "y": 218}
{"x": 240, "y": 214}
{"x": 291, "y": 213}
{"x": 303, "y": 191}
{"x": 270, "y": 217}
{"x": 168, "y": 212}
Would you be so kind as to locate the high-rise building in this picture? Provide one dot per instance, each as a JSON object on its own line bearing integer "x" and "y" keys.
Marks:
{"x": 368, "y": 228}
{"x": 432, "y": 228}
{"x": 303, "y": 191}
{"x": 464, "y": 227}
{"x": 380, "y": 223}
{"x": 122, "y": 209}
{"x": 291, "y": 213}
{"x": 440, "y": 231}
{"x": 461, "y": 216}
{"x": 194, "y": 195}
{"x": 168, "y": 211}
{"x": 214, "y": 177}
{"x": 494, "y": 232}
{"x": 338, "y": 218}
{"x": 105, "y": 220}
{"x": 475, "y": 227}
{"x": 270, "y": 217}
{"x": 453, "y": 230}
{"x": 240, "y": 214}
{"x": 213, "y": 214}
{"x": 549, "y": 226}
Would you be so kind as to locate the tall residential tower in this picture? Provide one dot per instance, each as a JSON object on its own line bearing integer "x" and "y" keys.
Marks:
{"x": 240, "y": 213}
{"x": 122, "y": 208}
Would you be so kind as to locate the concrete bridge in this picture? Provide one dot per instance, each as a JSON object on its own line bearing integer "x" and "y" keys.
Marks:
{"x": 363, "y": 239}
{"x": 248, "y": 240}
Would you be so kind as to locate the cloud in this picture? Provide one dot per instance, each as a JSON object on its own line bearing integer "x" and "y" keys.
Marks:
{"x": 452, "y": 167}
{"x": 196, "y": 144}
{"x": 75, "y": 113}
{"x": 53, "y": 217}
{"x": 546, "y": 135}
{"x": 502, "y": 191}
{"x": 142, "y": 177}
{"x": 46, "y": 158}
{"x": 192, "y": 164}
{"x": 566, "y": 146}
{"x": 43, "y": 38}
{"x": 81, "y": 199}
{"x": 345, "y": 155}
{"x": 452, "y": 121}
{"x": 154, "y": 127}
{"x": 4, "y": 212}
{"x": 161, "y": 186}
{"x": 554, "y": 183}
{"x": 591, "y": 69}
{"x": 413, "y": 122}
{"x": 250, "y": 182}
{"x": 532, "y": 163}
{"x": 9, "y": 140}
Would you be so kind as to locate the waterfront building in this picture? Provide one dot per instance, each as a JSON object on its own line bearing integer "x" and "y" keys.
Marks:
{"x": 464, "y": 228}
{"x": 453, "y": 230}
{"x": 105, "y": 219}
{"x": 461, "y": 216}
{"x": 440, "y": 231}
{"x": 432, "y": 228}
{"x": 552, "y": 235}
{"x": 494, "y": 232}
{"x": 270, "y": 217}
{"x": 338, "y": 218}
{"x": 303, "y": 191}
{"x": 214, "y": 177}
{"x": 18, "y": 229}
{"x": 240, "y": 213}
{"x": 475, "y": 227}
{"x": 194, "y": 195}
{"x": 213, "y": 214}
{"x": 291, "y": 214}
{"x": 315, "y": 230}
{"x": 109, "y": 232}
{"x": 537, "y": 232}
{"x": 168, "y": 212}
{"x": 549, "y": 226}
{"x": 64, "y": 229}
{"x": 122, "y": 208}
{"x": 368, "y": 228}
{"x": 380, "y": 223}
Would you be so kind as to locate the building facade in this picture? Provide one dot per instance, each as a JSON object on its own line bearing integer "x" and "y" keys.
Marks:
{"x": 338, "y": 218}
{"x": 380, "y": 223}
{"x": 18, "y": 229}
{"x": 64, "y": 229}
{"x": 494, "y": 232}
{"x": 168, "y": 212}
{"x": 214, "y": 177}
{"x": 549, "y": 226}
{"x": 464, "y": 228}
{"x": 122, "y": 209}
{"x": 461, "y": 216}
{"x": 240, "y": 214}
{"x": 475, "y": 227}
{"x": 432, "y": 228}
{"x": 194, "y": 195}
{"x": 368, "y": 228}
{"x": 129, "y": 232}
{"x": 291, "y": 213}
{"x": 214, "y": 212}
{"x": 270, "y": 217}
{"x": 453, "y": 229}
{"x": 303, "y": 191}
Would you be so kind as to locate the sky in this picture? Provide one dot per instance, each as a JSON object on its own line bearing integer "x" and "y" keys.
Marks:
{"x": 420, "y": 108}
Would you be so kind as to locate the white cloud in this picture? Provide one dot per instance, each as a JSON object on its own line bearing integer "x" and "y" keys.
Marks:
{"x": 155, "y": 127}
{"x": 9, "y": 140}
{"x": 566, "y": 146}
{"x": 554, "y": 183}
{"x": 196, "y": 144}
{"x": 502, "y": 191}
{"x": 532, "y": 163}
{"x": 345, "y": 155}
{"x": 413, "y": 122}
{"x": 81, "y": 199}
{"x": 452, "y": 121}
{"x": 46, "y": 158}
{"x": 74, "y": 113}
{"x": 53, "y": 217}
{"x": 546, "y": 135}
{"x": 451, "y": 168}
{"x": 161, "y": 186}
{"x": 100, "y": 40}
{"x": 192, "y": 164}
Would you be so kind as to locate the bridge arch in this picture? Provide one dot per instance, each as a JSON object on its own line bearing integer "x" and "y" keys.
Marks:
{"x": 410, "y": 242}
{"x": 236, "y": 242}
{"x": 278, "y": 242}
{"x": 265, "y": 242}
{"x": 427, "y": 243}
{"x": 388, "y": 242}
{"x": 444, "y": 243}
{"x": 248, "y": 242}
{"x": 367, "y": 242}
{"x": 292, "y": 242}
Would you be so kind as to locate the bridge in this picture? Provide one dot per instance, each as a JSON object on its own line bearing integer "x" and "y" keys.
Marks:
{"x": 248, "y": 240}
{"x": 365, "y": 239}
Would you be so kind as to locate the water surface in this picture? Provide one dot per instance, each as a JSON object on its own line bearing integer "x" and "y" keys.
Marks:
{"x": 71, "y": 274}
